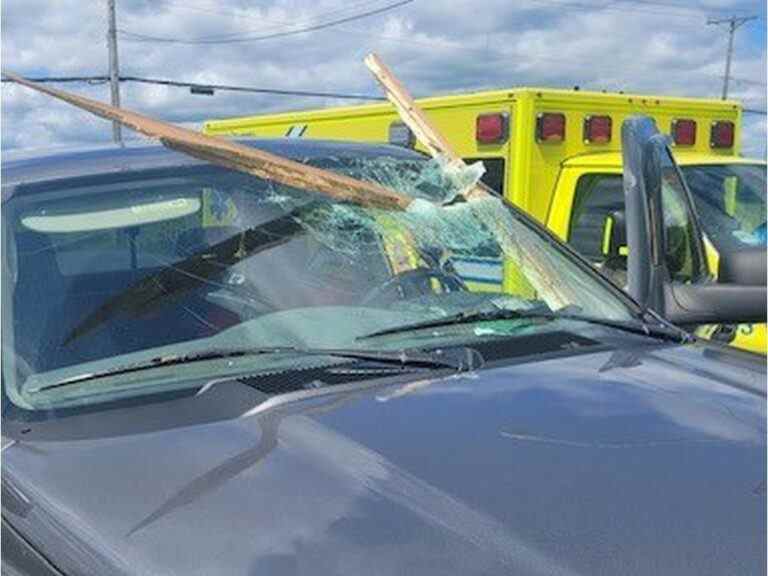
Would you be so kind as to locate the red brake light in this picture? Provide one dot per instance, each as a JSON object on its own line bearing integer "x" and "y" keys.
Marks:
{"x": 550, "y": 127}
{"x": 722, "y": 134}
{"x": 492, "y": 128}
{"x": 684, "y": 132}
{"x": 597, "y": 129}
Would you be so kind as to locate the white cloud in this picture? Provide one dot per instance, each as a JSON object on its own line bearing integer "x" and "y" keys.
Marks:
{"x": 434, "y": 46}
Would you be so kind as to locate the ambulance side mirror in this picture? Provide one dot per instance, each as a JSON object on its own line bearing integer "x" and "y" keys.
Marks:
{"x": 665, "y": 260}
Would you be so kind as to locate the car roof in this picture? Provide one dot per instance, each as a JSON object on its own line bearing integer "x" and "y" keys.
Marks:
{"x": 43, "y": 166}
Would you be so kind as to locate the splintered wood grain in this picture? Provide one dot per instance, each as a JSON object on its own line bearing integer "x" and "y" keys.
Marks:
{"x": 413, "y": 117}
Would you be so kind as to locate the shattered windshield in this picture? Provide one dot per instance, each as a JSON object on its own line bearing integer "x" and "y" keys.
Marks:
{"x": 730, "y": 200}
{"x": 135, "y": 265}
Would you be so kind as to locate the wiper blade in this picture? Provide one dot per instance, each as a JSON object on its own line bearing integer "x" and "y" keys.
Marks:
{"x": 656, "y": 330}
{"x": 160, "y": 361}
{"x": 466, "y": 317}
{"x": 432, "y": 360}
{"x": 437, "y": 359}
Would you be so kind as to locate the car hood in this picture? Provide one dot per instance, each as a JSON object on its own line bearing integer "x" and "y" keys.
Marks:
{"x": 631, "y": 462}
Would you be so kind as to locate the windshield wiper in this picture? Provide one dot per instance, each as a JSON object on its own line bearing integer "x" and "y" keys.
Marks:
{"x": 465, "y": 317}
{"x": 431, "y": 360}
{"x": 660, "y": 330}
{"x": 655, "y": 330}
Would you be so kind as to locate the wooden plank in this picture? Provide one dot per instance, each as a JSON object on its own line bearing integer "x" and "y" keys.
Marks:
{"x": 413, "y": 117}
{"x": 437, "y": 145}
{"x": 409, "y": 111}
{"x": 233, "y": 155}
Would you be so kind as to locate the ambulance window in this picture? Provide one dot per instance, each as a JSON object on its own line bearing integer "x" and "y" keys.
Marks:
{"x": 494, "y": 172}
{"x": 730, "y": 201}
{"x": 597, "y": 196}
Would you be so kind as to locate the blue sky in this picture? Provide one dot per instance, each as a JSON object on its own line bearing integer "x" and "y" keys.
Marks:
{"x": 753, "y": 33}
{"x": 655, "y": 46}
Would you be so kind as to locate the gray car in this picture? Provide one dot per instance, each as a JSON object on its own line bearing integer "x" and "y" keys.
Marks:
{"x": 207, "y": 373}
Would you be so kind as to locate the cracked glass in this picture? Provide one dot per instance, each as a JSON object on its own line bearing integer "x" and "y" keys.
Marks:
{"x": 141, "y": 264}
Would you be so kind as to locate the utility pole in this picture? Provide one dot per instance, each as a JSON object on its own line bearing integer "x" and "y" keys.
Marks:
{"x": 733, "y": 22}
{"x": 114, "y": 69}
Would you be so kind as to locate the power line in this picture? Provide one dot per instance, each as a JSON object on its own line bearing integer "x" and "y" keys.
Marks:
{"x": 432, "y": 43}
{"x": 350, "y": 6}
{"x": 278, "y": 23}
{"x": 694, "y": 12}
{"x": 747, "y": 81}
{"x": 135, "y": 37}
{"x": 395, "y": 39}
{"x": 686, "y": 13}
{"x": 275, "y": 24}
{"x": 203, "y": 88}
{"x": 249, "y": 89}
{"x": 690, "y": 7}
{"x": 738, "y": 80}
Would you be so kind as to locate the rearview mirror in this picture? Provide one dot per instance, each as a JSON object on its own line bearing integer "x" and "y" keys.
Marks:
{"x": 665, "y": 261}
{"x": 110, "y": 213}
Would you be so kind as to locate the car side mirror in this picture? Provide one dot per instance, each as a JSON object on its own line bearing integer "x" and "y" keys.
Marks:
{"x": 660, "y": 215}
{"x": 746, "y": 266}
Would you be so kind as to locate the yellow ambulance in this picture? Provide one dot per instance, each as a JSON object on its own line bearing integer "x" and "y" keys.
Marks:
{"x": 556, "y": 154}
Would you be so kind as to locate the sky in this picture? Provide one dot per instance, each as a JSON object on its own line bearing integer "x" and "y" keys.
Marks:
{"x": 434, "y": 46}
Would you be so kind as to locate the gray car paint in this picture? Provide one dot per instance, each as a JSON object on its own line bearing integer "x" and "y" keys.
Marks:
{"x": 633, "y": 461}
{"x": 646, "y": 459}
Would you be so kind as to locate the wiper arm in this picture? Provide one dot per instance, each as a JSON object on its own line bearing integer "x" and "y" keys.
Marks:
{"x": 657, "y": 330}
{"x": 661, "y": 331}
{"x": 466, "y": 317}
{"x": 661, "y": 325}
{"x": 433, "y": 360}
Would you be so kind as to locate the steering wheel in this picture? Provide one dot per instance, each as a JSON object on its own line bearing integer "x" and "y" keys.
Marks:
{"x": 413, "y": 283}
